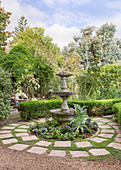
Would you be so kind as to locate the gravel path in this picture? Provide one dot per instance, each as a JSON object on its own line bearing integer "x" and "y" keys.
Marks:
{"x": 14, "y": 160}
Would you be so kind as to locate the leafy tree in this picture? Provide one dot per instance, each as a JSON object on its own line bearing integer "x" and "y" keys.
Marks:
{"x": 45, "y": 74}
{"x": 4, "y": 21}
{"x": 5, "y": 94}
{"x": 22, "y": 26}
{"x": 96, "y": 48}
{"x": 110, "y": 82}
{"x": 38, "y": 44}
{"x": 18, "y": 62}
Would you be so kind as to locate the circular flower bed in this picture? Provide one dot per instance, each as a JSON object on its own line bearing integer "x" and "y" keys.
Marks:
{"x": 80, "y": 127}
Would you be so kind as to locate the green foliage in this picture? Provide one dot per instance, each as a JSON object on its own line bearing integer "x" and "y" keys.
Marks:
{"x": 109, "y": 84}
{"x": 96, "y": 47}
{"x": 34, "y": 109}
{"x": 117, "y": 110}
{"x": 68, "y": 130}
{"x": 31, "y": 85}
{"x": 18, "y": 62}
{"x": 39, "y": 44}
{"x": 4, "y": 21}
{"x": 44, "y": 72}
{"x": 5, "y": 94}
{"x": 22, "y": 26}
{"x": 96, "y": 107}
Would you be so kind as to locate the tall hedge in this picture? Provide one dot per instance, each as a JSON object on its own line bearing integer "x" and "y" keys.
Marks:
{"x": 5, "y": 94}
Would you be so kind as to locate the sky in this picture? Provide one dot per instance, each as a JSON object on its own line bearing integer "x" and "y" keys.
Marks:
{"x": 63, "y": 19}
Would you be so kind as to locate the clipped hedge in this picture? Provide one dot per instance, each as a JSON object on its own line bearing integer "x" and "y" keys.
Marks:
{"x": 35, "y": 109}
{"x": 117, "y": 109}
{"x": 39, "y": 108}
{"x": 97, "y": 107}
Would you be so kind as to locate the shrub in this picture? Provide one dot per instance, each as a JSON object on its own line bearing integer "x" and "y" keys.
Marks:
{"x": 34, "y": 109}
{"x": 97, "y": 107}
{"x": 5, "y": 94}
{"x": 117, "y": 110}
{"x": 54, "y": 129}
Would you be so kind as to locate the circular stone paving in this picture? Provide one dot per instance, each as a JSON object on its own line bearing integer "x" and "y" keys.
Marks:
{"x": 15, "y": 136}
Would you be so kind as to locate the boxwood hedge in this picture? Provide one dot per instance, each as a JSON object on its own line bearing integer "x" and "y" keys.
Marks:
{"x": 117, "y": 110}
{"x": 35, "y": 109}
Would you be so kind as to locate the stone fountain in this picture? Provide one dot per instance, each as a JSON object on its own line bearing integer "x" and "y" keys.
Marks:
{"x": 63, "y": 114}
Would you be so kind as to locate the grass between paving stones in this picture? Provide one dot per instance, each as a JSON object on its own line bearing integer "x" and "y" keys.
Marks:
{"x": 114, "y": 153}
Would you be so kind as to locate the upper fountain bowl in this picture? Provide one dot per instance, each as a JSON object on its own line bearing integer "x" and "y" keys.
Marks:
{"x": 64, "y": 74}
{"x": 63, "y": 93}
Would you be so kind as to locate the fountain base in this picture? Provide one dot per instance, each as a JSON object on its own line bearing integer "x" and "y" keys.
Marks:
{"x": 62, "y": 116}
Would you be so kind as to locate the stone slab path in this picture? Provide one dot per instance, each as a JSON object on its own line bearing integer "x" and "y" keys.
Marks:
{"x": 15, "y": 136}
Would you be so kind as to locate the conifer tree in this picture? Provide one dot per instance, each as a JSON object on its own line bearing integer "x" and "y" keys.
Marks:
{"x": 22, "y": 26}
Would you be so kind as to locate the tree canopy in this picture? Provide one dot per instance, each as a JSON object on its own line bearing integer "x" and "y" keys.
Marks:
{"x": 39, "y": 44}
{"x": 4, "y": 21}
{"x": 22, "y": 26}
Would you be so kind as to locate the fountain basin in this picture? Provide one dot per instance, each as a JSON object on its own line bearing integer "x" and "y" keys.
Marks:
{"x": 63, "y": 93}
{"x": 62, "y": 116}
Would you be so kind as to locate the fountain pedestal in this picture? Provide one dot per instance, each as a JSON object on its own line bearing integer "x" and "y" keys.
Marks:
{"x": 63, "y": 114}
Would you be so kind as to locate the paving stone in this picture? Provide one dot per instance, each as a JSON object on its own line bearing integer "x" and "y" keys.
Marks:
{"x": 79, "y": 153}
{"x": 106, "y": 135}
{"x": 98, "y": 119}
{"x": 105, "y": 120}
{"x": 100, "y": 123}
{"x": 83, "y": 144}
{"x": 24, "y": 126}
{"x": 43, "y": 143}
{"x": 108, "y": 131}
{"x": 118, "y": 131}
{"x": 104, "y": 126}
{"x": 41, "y": 120}
{"x": 113, "y": 123}
{"x": 98, "y": 152}
{"x": 99, "y": 140}
{"x": 6, "y": 136}
{"x": 109, "y": 116}
{"x": 117, "y": 139}
{"x": 37, "y": 150}
{"x": 5, "y": 131}
{"x": 27, "y": 138}
{"x": 14, "y": 124}
{"x": 116, "y": 127}
{"x": 20, "y": 130}
{"x": 62, "y": 144}
{"x": 21, "y": 134}
{"x": 9, "y": 141}
{"x": 30, "y": 123}
{"x": 8, "y": 127}
{"x": 118, "y": 136}
{"x": 57, "y": 153}
{"x": 18, "y": 147}
{"x": 115, "y": 145}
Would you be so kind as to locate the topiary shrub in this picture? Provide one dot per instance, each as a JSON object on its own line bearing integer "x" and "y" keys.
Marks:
{"x": 5, "y": 94}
